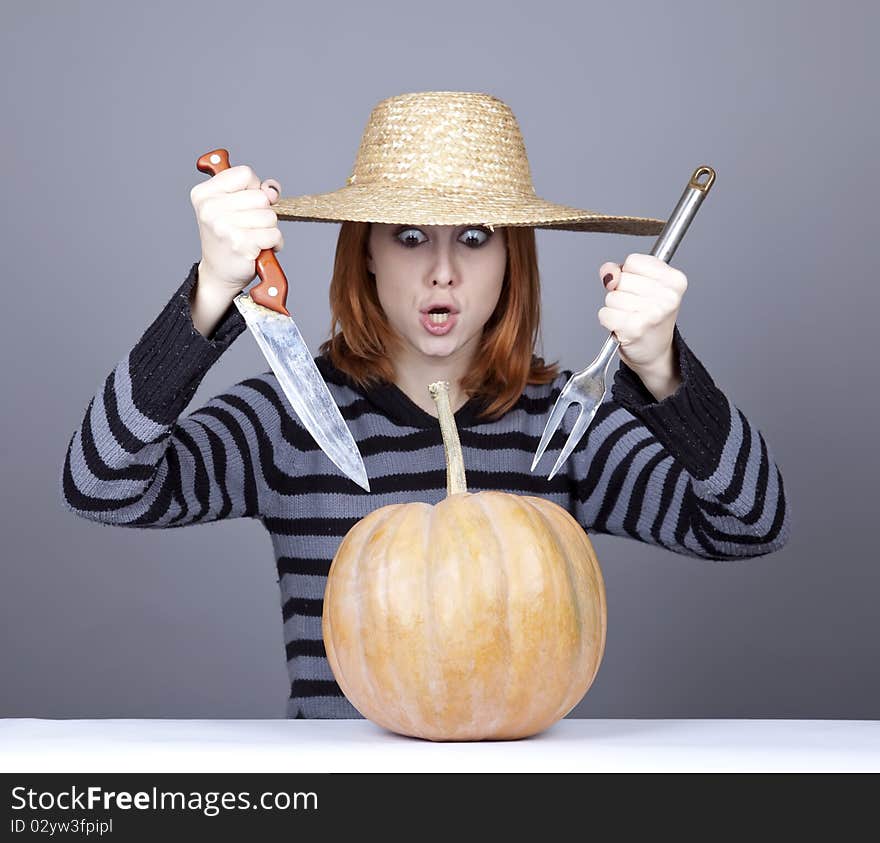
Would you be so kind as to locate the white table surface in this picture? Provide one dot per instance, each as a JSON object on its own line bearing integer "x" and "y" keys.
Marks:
{"x": 336, "y": 746}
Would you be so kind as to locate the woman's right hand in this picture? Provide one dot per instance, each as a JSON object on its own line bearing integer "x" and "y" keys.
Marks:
{"x": 236, "y": 223}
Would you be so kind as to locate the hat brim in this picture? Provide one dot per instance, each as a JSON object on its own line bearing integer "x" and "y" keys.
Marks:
{"x": 404, "y": 205}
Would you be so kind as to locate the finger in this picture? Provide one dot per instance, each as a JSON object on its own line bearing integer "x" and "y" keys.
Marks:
{"x": 627, "y": 301}
{"x": 652, "y": 267}
{"x": 242, "y": 200}
{"x": 225, "y": 183}
{"x": 272, "y": 188}
{"x": 618, "y": 322}
{"x": 232, "y": 180}
{"x": 255, "y": 218}
{"x": 654, "y": 296}
{"x": 268, "y": 238}
{"x": 609, "y": 268}
{"x": 648, "y": 288}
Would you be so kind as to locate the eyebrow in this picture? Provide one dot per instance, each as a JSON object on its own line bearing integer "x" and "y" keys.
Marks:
{"x": 402, "y": 225}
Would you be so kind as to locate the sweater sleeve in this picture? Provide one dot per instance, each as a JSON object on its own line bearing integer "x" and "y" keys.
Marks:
{"x": 132, "y": 462}
{"x": 689, "y": 473}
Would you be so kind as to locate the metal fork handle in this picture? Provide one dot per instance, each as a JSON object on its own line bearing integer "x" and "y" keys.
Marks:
{"x": 683, "y": 213}
{"x": 669, "y": 238}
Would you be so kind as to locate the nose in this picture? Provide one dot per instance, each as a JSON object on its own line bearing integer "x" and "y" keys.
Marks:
{"x": 444, "y": 273}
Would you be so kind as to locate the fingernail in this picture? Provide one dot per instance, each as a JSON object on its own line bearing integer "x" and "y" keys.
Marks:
{"x": 606, "y": 280}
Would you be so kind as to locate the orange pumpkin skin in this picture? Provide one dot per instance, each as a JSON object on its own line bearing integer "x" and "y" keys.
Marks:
{"x": 480, "y": 618}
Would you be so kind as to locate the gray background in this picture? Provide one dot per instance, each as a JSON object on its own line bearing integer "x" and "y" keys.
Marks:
{"x": 106, "y": 107}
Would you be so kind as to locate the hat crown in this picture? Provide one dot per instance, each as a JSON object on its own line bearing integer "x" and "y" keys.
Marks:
{"x": 448, "y": 141}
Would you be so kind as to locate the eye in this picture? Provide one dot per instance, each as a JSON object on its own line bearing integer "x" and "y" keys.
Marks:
{"x": 410, "y": 233}
{"x": 473, "y": 239}
{"x": 485, "y": 232}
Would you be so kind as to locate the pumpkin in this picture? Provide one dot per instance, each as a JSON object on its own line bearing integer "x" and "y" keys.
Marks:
{"x": 480, "y": 618}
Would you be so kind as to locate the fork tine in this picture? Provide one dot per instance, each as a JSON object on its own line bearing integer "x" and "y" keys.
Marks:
{"x": 556, "y": 416}
{"x": 583, "y": 421}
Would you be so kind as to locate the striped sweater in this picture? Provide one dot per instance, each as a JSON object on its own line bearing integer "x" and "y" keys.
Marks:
{"x": 690, "y": 473}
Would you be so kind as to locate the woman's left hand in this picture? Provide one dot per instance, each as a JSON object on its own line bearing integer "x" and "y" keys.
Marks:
{"x": 644, "y": 296}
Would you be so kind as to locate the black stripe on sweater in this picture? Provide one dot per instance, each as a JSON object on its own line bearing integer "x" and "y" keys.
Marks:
{"x": 95, "y": 462}
{"x": 160, "y": 505}
{"x": 218, "y": 458}
{"x": 732, "y": 492}
{"x": 585, "y": 487}
{"x": 175, "y": 481}
{"x": 666, "y": 497}
{"x": 428, "y": 481}
{"x": 716, "y": 534}
{"x": 201, "y": 484}
{"x": 301, "y": 688}
{"x": 637, "y": 497}
{"x": 85, "y": 503}
{"x": 127, "y": 440}
{"x": 305, "y": 647}
{"x": 324, "y": 526}
{"x": 303, "y": 567}
{"x": 234, "y": 429}
{"x": 757, "y": 509}
{"x": 305, "y": 606}
{"x": 759, "y": 504}
{"x": 615, "y": 484}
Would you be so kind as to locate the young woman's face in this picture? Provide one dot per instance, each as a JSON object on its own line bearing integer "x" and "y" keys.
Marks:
{"x": 417, "y": 267}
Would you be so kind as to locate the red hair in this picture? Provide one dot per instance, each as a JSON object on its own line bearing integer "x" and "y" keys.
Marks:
{"x": 362, "y": 342}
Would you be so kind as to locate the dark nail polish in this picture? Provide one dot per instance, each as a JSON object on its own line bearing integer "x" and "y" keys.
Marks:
{"x": 607, "y": 279}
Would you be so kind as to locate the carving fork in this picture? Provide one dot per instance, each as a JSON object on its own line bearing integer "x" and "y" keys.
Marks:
{"x": 587, "y": 387}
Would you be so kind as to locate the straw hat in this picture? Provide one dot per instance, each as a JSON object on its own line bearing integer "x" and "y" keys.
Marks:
{"x": 447, "y": 158}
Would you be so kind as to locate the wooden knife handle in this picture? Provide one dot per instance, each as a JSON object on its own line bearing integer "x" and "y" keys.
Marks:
{"x": 271, "y": 292}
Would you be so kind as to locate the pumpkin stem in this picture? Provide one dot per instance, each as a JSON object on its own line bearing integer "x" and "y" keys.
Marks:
{"x": 455, "y": 479}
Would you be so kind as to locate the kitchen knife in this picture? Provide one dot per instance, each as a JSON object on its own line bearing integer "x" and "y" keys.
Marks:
{"x": 265, "y": 312}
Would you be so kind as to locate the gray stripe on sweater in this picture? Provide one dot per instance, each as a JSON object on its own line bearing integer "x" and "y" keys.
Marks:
{"x": 309, "y": 586}
{"x": 141, "y": 426}
{"x": 651, "y": 502}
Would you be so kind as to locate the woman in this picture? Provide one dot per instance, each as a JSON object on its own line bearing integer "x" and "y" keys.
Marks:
{"x": 439, "y": 214}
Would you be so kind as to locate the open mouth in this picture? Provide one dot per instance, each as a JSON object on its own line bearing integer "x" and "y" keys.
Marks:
{"x": 439, "y": 316}
{"x": 438, "y": 320}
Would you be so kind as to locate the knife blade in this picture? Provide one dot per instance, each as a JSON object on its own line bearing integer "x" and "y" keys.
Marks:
{"x": 265, "y": 312}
